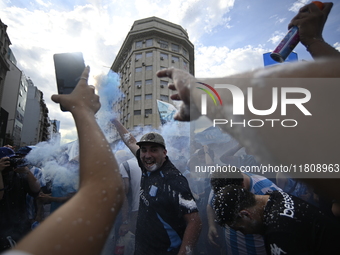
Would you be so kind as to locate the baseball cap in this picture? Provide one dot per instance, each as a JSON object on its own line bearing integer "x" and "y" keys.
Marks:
{"x": 6, "y": 152}
{"x": 152, "y": 137}
{"x": 24, "y": 150}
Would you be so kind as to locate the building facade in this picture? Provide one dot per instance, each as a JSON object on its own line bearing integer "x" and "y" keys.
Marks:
{"x": 151, "y": 45}
{"x": 37, "y": 124}
{"x": 4, "y": 48}
{"x": 14, "y": 101}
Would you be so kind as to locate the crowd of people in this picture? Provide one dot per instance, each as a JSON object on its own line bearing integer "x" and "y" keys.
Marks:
{"x": 233, "y": 213}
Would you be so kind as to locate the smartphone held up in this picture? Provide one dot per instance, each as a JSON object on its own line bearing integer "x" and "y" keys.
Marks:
{"x": 68, "y": 70}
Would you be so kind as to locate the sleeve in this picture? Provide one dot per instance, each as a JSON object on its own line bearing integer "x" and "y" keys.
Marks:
{"x": 122, "y": 171}
{"x": 186, "y": 200}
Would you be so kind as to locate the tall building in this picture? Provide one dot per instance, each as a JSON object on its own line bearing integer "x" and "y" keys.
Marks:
{"x": 152, "y": 44}
{"x": 4, "y": 48}
{"x": 36, "y": 120}
{"x": 4, "y": 68}
{"x": 14, "y": 101}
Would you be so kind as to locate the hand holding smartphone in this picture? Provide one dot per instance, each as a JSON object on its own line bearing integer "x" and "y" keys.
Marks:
{"x": 68, "y": 70}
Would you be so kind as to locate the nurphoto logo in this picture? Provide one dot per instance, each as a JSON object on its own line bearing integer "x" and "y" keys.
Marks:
{"x": 239, "y": 101}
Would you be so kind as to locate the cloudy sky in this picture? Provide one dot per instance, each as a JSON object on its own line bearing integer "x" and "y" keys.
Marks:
{"x": 230, "y": 36}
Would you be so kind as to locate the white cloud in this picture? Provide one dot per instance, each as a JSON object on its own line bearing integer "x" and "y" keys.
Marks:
{"x": 220, "y": 61}
{"x": 197, "y": 16}
{"x": 42, "y": 3}
{"x": 337, "y": 46}
{"x": 276, "y": 37}
{"x": 281, "y": 20}
{"x": 297, "y": 5}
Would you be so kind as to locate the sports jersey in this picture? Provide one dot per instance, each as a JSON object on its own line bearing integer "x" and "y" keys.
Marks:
{"x": 238, "y": 243}
{"x": 260, "y": 185}
{"x": 293, "y": 226}
{"x": 165, "y": 197}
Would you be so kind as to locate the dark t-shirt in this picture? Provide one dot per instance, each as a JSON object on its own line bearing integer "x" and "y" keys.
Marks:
{"x": 165, "y": 197}
{"x": 296, "y": 227}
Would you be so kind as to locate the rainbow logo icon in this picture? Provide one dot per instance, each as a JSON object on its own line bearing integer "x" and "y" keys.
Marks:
{"x": 210, "y": 94}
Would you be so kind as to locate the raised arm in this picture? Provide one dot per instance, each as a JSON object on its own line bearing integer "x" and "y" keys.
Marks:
{"x": 82, "y": 224}
{"x": 311, "y": 20}
{"x": 129, "y": 140}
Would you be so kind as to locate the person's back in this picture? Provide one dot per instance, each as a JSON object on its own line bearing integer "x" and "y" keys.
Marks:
{"x": 293, "y": 226}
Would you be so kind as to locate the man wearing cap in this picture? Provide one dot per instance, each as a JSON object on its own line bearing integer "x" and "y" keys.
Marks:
{"x": 16, "y": 181}
{"x": 168, "y": 220}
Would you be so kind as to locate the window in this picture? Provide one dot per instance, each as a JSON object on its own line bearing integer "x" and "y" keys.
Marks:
{"x": 138, "y": 83}
{"x": 149, "y": 42}
{"x": 138, "y": 56}
{"x": 148, "y": 96}
{"x": 163, "y": 67}
{"x": 163, "y": 44}
{"x": 148, "y": 111}
{"x": 137, "y": 112}
{"x": 164, "y": 84}
{"x": 138, "y": 98}
{"x": 139, "y": 44}
{"x": 138, "y": 69}
{"x": 148, "y": 68}
{"x": 148, "y": 82}
{"x": 164, "y": 98}
{"x": 174, "y": 59}
{"x": 175, "y": 47}
{"x": 185, "y": 64}
{"x": 185, "y": 52}
{"x": 148, "y": 54}
{"x": 164, "y": 56}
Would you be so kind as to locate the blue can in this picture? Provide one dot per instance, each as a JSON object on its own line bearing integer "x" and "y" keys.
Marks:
{"x": 287, "y": 45}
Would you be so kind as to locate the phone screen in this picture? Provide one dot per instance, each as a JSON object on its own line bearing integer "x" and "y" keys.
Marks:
{"x": 68, "y": 70}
